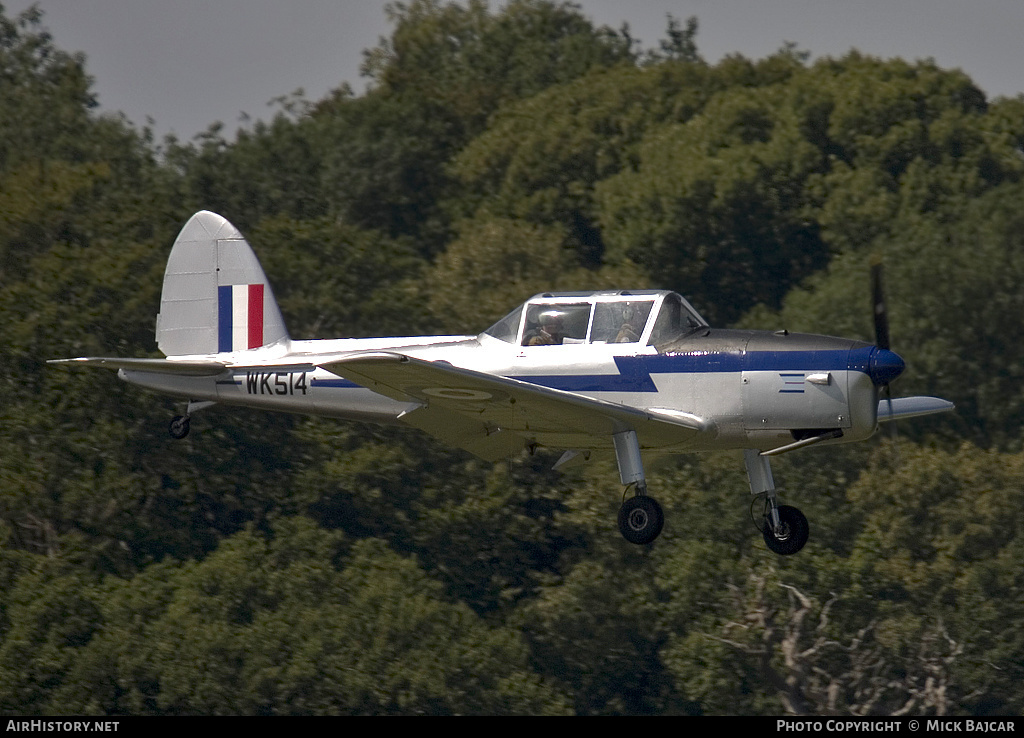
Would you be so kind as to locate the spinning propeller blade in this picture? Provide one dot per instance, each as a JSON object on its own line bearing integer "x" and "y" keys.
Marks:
{"x": 878, "y": 305}
{"x": 881, "y": 316}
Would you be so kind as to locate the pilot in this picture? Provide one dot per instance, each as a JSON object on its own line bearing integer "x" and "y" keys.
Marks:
{"x": 550, "y": 331}
{"x": 628, "y": 332}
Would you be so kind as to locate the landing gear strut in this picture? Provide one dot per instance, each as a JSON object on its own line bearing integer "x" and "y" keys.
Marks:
{"x": 785, "y": 528}
{"x": 640, "y": 517}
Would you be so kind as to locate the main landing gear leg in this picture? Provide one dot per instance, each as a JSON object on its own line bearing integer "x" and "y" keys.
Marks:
{"x": 640, "y": 517}
{"x": 785, "y": 528}
{"x": 180, "y": 426}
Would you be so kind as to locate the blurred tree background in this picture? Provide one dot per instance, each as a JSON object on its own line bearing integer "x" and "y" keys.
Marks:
{"x": 286, "y": 565}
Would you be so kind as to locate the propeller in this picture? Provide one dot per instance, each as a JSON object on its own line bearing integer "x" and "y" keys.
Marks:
{"x": 879, "y": 309}
{"x": 885, "y": 364}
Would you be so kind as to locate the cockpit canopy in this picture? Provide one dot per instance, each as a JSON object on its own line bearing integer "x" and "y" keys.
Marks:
{"x": 638, "y": 316}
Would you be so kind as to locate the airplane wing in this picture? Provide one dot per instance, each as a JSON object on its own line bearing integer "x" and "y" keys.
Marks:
{"x": 158, "y": 366}
{"x": 911, "y": 407}
{"x": 494, "y": 416}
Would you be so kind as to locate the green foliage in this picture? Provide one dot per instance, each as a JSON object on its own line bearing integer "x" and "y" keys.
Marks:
{"x": 885, "y": 627}
{"x": 443, "y": 72}
{"x": 270, "y": 170}
{"x": 540, "y": 159}
{"x": 316, "y": 261}
{"x": 681, "y": 44}
{"x": 715, "y": 205}
{"x": 296, "y": 624}
{"x": 737, "y": 205}
{"x": 497, "y": 263}
{"x": 468, "y": 61}
{"x": 45, "y": 94}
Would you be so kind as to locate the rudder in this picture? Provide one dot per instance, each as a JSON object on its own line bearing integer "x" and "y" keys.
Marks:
{"x": 215, "y": 296}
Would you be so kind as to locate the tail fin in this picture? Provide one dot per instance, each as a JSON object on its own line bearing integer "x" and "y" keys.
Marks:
{"x": 215, "y": 297}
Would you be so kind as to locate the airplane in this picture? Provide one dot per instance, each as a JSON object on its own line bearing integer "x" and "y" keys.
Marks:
{"x": 625, "y": 373}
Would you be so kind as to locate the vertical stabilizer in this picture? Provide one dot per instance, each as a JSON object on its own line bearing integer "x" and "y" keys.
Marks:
{"x": 216, "y": 297}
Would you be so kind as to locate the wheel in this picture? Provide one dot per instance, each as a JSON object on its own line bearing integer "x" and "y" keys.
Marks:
{"x": 641, "y": 519}
{"x": 793, "y": 531}
{"x": 179, "y": 427}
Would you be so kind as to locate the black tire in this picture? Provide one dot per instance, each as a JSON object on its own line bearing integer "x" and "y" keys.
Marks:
{"x": 793, "y": 532}
{"x": 179, "y": 427}
{"x": 641, "y": 519}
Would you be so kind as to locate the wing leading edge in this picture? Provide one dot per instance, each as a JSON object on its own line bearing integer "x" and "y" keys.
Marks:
{"x": 157, "y": 366}
{"x": 493, "y": 416}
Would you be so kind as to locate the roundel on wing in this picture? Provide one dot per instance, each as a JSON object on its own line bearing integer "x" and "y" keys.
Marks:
{"x": 452, "y": 393}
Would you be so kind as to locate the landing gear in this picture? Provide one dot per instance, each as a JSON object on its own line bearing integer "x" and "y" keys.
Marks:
{"x": 641, "y": 519}
{"x": 785, "y": 528}
{"x": 179, "y": 427}
{"x": 790, "y": 535}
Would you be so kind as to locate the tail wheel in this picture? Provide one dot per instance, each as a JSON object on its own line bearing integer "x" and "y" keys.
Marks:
{"x": 792, "y": 533}
{"x": 641, "y": 519}
{"x": 179, "y": 427}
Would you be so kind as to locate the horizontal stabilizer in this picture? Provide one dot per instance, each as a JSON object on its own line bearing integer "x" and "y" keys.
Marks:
{"x": 157, "y": 366}
{"x": 911, "y": 407}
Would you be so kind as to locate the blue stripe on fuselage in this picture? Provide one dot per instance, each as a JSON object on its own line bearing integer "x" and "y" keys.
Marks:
{"x": 635, "y": 371}
{"x": 338, "y": 383}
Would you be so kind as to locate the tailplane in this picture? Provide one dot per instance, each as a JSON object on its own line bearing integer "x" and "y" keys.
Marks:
{"x": 215, "y": 297}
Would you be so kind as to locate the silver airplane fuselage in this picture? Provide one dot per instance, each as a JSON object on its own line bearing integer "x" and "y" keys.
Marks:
{"x": 758, "y": 389}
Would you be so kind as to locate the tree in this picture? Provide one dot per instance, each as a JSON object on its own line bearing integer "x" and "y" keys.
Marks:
{"x": 293, "y": 623}
{"x": 540, "y": 159}
{"x": 716, "y": 206}
{"x": 435, "y": 82}
{"x": 497, "y": 263}
{"x": 469, "y": 62}
{"x": 793, "y": 652}
{"x": 46, "y": 96}
{"x": 877, "y": 615}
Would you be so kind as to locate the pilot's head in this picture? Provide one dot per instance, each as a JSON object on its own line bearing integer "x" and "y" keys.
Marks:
{"x": 551, "y": 321}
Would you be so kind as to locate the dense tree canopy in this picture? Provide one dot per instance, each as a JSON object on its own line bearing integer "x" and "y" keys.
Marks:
{"x": 279, "y": 565}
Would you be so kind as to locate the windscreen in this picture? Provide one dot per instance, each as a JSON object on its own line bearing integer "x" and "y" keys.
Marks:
{"x": 555, "y": 324}
{"x": 620, "y": 322}
{"x": 507, "y": 329}
{"x": 674, "y": 319}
